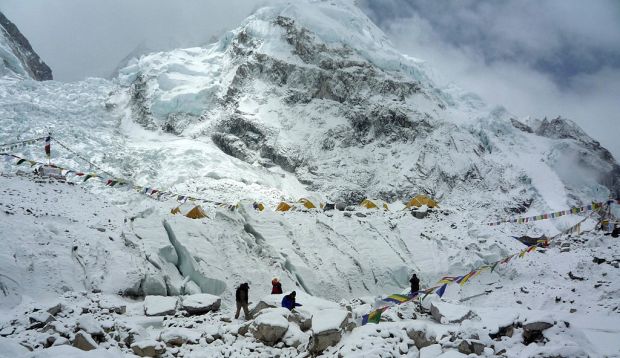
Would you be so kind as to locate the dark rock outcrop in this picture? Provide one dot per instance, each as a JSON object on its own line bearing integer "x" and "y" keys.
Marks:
{"x": 31, "y": 62}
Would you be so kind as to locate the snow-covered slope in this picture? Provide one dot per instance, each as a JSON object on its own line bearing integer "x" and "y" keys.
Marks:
{"x": 317, "y": 90}
{"x": 303, "y": 99}
{"x": 18, "y": 57}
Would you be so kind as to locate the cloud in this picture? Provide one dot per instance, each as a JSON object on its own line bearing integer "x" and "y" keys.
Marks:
{"x": 557, "y": 57}
{"x": 80, "y": 38}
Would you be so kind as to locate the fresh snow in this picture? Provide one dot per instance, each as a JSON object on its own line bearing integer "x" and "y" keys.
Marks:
{"x": 112, "y": 257}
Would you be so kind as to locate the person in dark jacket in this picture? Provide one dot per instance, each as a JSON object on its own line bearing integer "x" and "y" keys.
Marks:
{"x": 242, "y": 300}
{"x": 289, "y": 301}
{"x": 276, "y": 288}
{"x": 415, "y": 283}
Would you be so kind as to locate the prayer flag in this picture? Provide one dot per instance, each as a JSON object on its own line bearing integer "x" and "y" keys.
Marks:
{"x": 48, "y": 146}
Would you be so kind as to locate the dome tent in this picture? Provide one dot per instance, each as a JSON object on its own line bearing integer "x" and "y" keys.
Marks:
{"x": 420, "y": 200}
{"x": 190, "y": 210}
{"x": 374, "y": 204}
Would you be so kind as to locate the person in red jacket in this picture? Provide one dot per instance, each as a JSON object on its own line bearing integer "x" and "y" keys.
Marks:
{"x": 276, "y": 286}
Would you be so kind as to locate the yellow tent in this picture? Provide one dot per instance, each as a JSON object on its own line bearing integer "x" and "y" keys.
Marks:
{"x": 283, "y": 207}
{"x": 196, "y": 212}
{"x": 374, "y": 204}
{"x": 308, "y": 204}
{"x": 420, "y": 200}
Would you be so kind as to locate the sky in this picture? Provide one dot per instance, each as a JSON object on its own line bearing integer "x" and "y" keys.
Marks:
{"x": 537, "y": 58}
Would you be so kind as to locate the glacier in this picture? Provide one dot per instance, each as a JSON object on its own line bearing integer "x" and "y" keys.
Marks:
{"x": 301, "y": 100}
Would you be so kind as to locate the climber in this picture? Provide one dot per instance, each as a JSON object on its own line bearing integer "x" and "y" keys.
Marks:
{"x": 289, "y": 301}
{"x": 277, "y": 286}
{"x": 242, "y": 300}
{"x": 415, "y": 283}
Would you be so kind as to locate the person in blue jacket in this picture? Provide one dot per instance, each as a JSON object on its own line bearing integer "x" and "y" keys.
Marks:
{"x": 289, "y": 301}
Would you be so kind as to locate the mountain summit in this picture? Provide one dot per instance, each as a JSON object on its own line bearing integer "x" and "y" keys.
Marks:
{"x": 316, "y": 89}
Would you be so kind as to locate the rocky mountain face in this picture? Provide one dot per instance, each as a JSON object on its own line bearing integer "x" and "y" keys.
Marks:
{"x": 17, "y": 54}
{"x": 324, "y": 96}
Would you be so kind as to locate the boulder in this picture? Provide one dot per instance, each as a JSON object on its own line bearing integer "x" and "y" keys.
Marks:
{"x": 200, "y": 303}
{"x": 302, "y": 319}
{"x": 537, "y": 326}
{"x": 471, "y": 346}
{"x": 294, "y": 337}
{"x": 55, "y": 309}
{"x": 444, "y": 312}
{"x": 319, "y": 341}
{"x": 271, "y": 325}
{"x": 148, "y": 348}
{"x": 159, "y": 305}
{"x": 90, "y": 326}
{"x": 532, "y": 331}
{"x": 327, "y": 326}
{"x": 179, "y": 336}
{"x": 39, "y": 319}
{"x": 84, "y": 341}
{"x": 420, "y": 337}
{"x": 261, "y": 305}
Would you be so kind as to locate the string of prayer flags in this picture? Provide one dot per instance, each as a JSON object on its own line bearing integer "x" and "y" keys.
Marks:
{"x": 557, "y": 214}
{"x": 17, "y": 145}
{"x": 398, "y": 299}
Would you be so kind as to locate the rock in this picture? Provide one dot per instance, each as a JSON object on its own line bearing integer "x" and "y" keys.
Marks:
{"x": 464, "y": 347}
{"x": 23, "y": 51}
{"x": 420, "y": 338}
{"x": 39, "y": 319}
{"x": 271, "y": 325}
{"x": 340, "y": 206}
{"x": 54, "y": 310}
{"x": 478, "y": 347}
{"x": 319, "y": 341}
{"x": 84, "y": 341}
{"x": 360, "y": 215}
{"x": 598, "y": 260}
{"x": 537, "y": 326}
{"x": 419, "y": 214}
{"x": 148, "y": 348}
{"x": 294, "y": 337}
{"x": 243, "y": 330}
{"x": 444, "y": 312}
{"x": 261, "y": 305}
{"x": 303, "y": 320}
{"x": 200, "y": 303}
{"x": 347, "y": 214}
{"x": 113, "y": 306}
{"x": 507, "y": 331}
{"x": 90, "y": 326}
{"x": 532, "y": 332}
{"x": 471, "y": 346}
{"x": 159, "y": 305}
{"x": 179, "y": 336}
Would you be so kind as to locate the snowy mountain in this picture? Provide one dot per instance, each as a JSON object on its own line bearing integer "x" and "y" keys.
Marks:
{"x": 302, "y": 100}
{"x": 17, "y": 55}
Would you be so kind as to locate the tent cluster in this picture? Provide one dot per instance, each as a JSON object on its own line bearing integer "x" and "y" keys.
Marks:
{"x": 301, "y": 204}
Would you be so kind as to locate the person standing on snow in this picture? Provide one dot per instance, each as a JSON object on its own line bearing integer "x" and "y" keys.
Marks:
{"x": 289, "y": 301}
{"x": 276, "y": 288}
{"x": 241, "y": 296}
{"x": 415, "y": 283}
